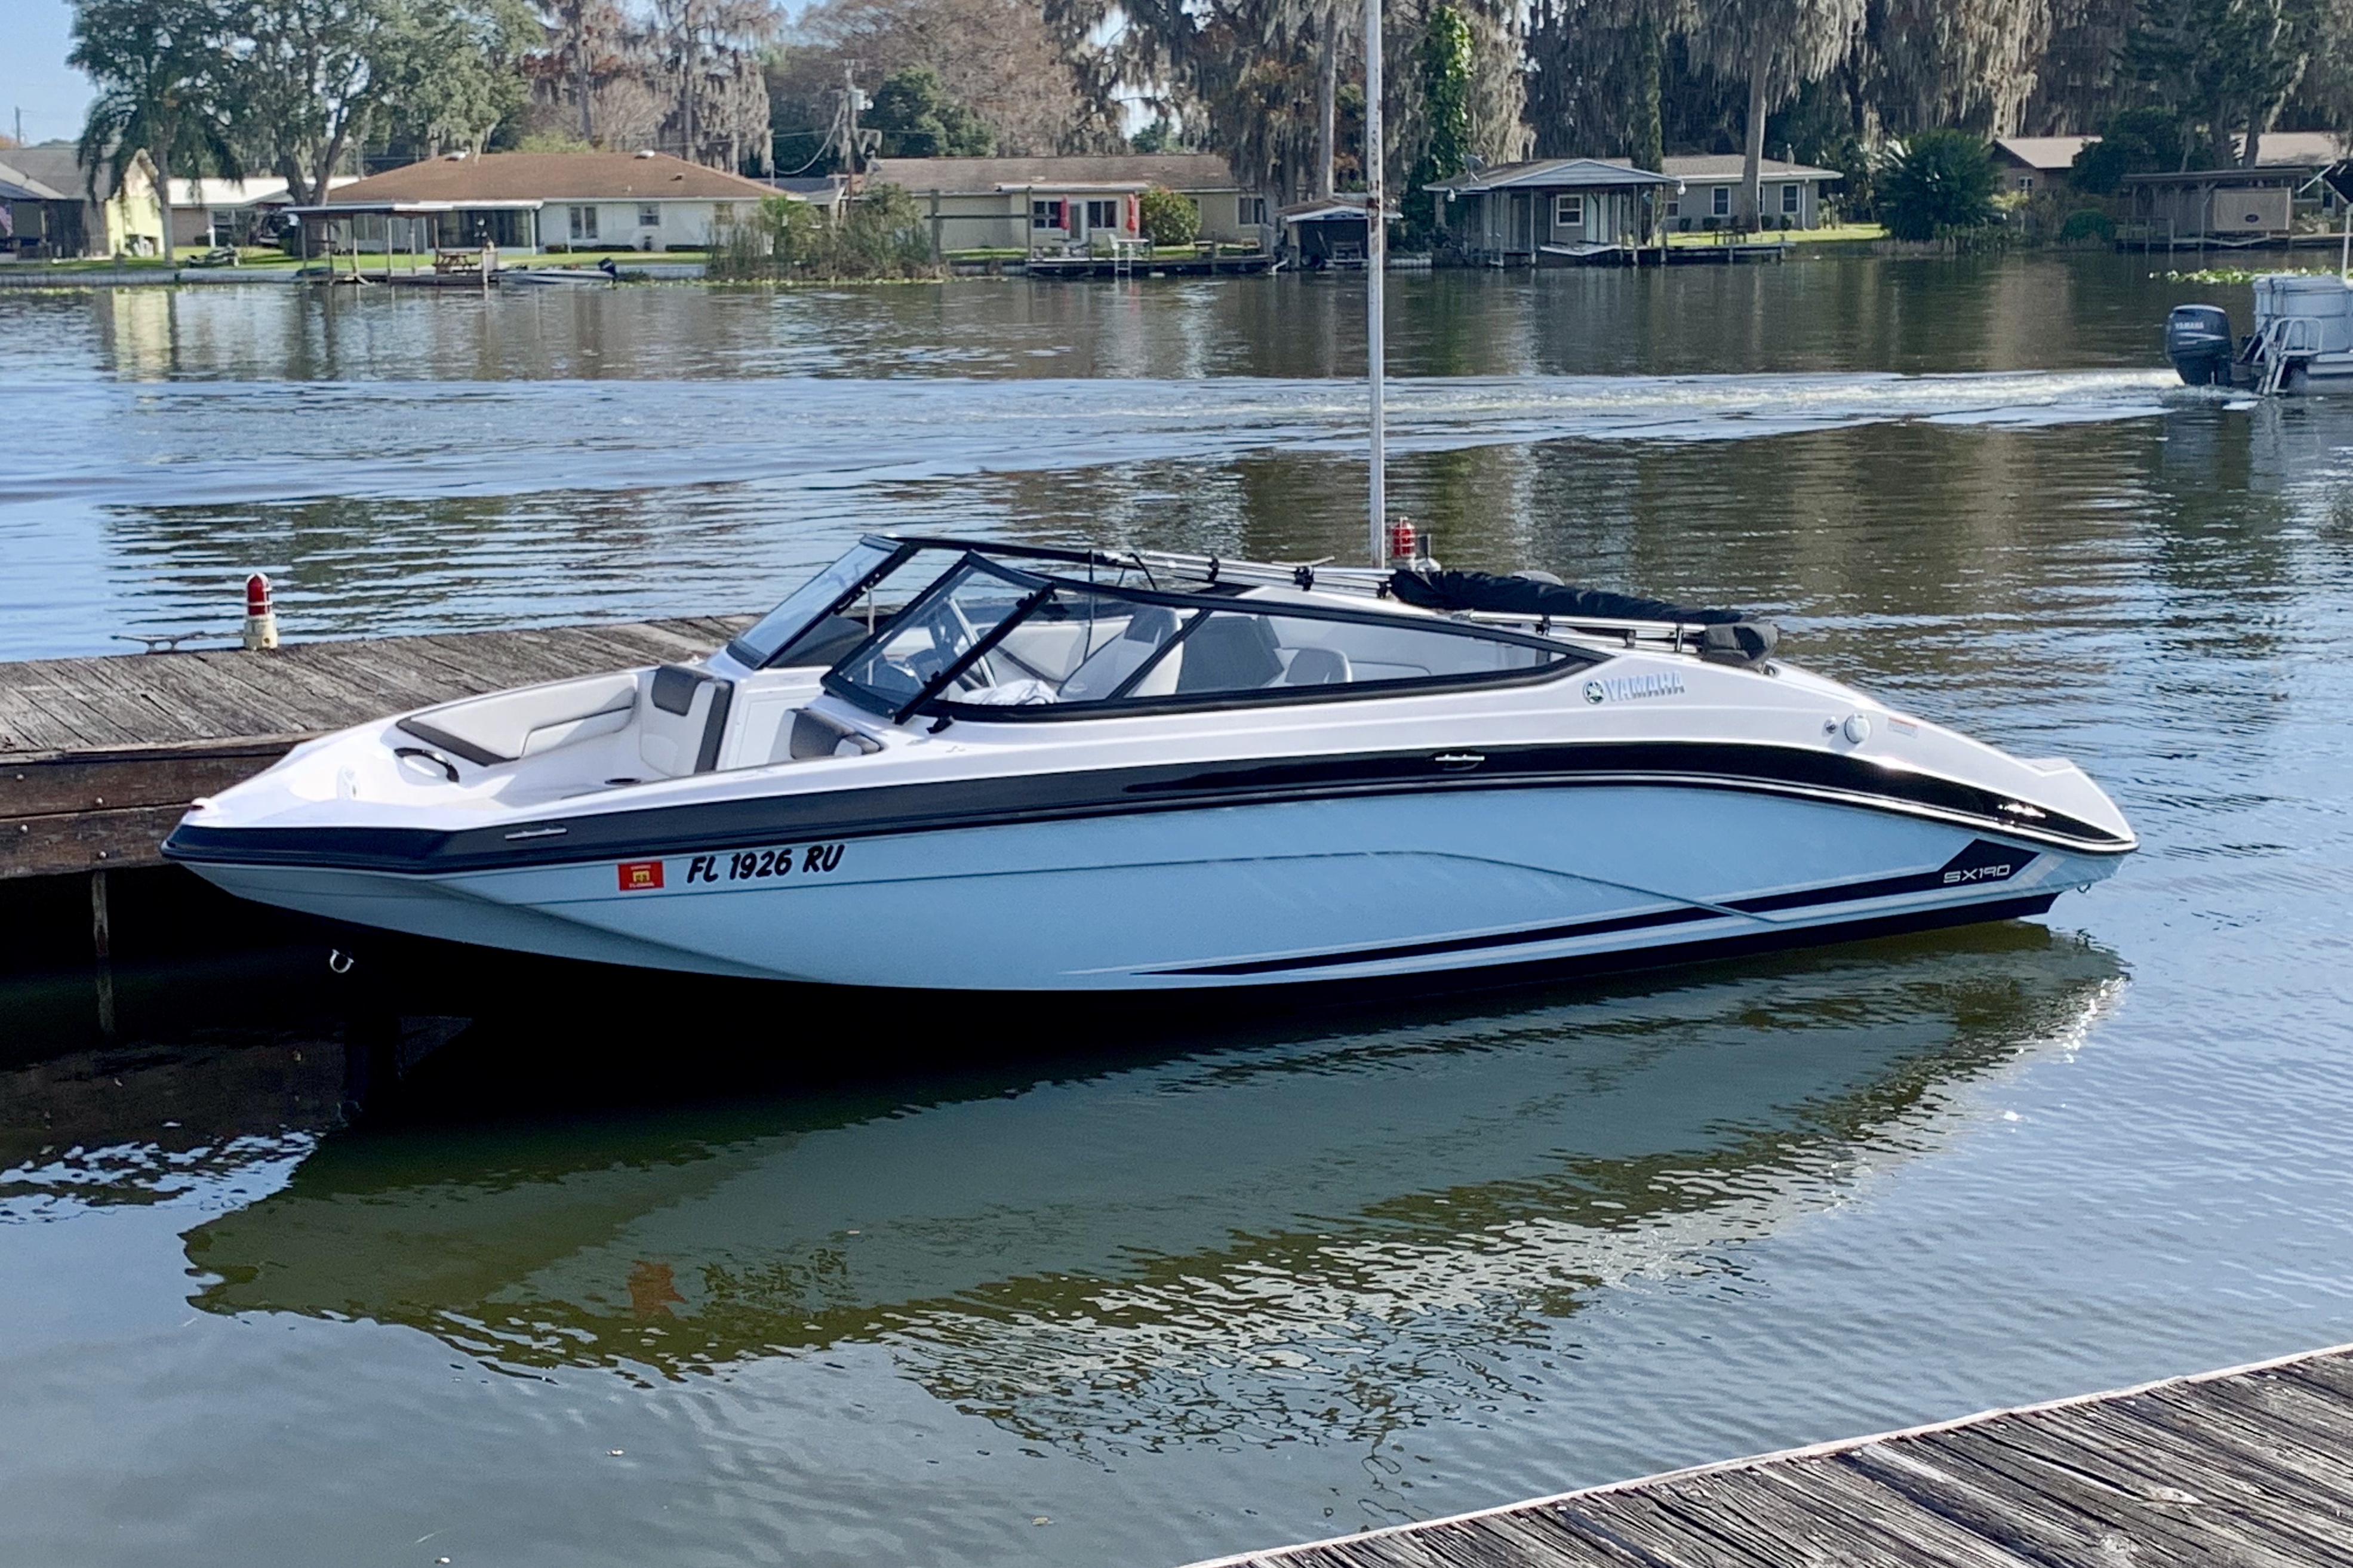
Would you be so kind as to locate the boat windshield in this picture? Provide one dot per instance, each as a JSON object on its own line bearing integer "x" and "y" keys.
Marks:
{"x": 994, "y": 643}
{"x": 938, "y": 641}
{"x": 810, "y": 603}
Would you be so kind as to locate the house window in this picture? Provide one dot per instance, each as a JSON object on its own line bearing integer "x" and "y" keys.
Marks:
{"x": 1720, "y": 201}
{"x": 584, "y": 222}
{"x": 648, "y": 215}
{"x": 2025, "y": 182}
{"x": 1253, "y": 211}
{"x": 722, "y": 212}
{"x": 1045, "y": 215}
{"x": 1105, "y": 215}
{"x": 1674, "y": 207}
{"x": 1569, "y": 212}
{"x": 1789, "y": 198}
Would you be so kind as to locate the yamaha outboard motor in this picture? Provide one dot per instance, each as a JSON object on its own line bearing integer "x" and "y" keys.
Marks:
{"x": 2198, "y": 342}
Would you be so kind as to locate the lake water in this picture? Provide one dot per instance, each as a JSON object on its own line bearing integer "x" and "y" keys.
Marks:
{"x": 1140, "y": 1301}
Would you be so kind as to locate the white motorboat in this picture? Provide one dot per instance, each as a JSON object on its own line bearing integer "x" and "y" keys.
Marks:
{"x": 981, "y": 767}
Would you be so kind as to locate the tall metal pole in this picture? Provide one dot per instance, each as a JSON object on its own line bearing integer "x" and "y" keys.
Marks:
{"x": 1376, "y": 277}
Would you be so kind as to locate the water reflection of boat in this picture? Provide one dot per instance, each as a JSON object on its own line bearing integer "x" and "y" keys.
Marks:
{"x": 1337, "y": 1207}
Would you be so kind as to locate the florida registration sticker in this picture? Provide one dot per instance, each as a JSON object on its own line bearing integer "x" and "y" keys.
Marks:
{"x": 638, "y": 874}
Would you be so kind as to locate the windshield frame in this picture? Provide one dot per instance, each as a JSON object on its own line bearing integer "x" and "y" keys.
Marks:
{"x": 1566, "y": 657}
{"x": 971, "y": 564}
{"x": 899, "y": 550}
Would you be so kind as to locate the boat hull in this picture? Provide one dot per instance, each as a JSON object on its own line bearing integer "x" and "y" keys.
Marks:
{"x": 1439, "y": 884}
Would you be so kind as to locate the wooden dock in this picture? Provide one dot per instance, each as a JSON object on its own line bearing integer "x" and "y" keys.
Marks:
{"x": 2251, "y": 1468}
{"x": 99, "y": 756}
{"x": 1146, "y": 266}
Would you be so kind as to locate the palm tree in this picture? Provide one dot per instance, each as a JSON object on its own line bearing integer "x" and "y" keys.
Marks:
{"x": 165, "y": 74}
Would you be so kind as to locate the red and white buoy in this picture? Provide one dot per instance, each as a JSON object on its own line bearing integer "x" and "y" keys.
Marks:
{"x": 261, "y": 620}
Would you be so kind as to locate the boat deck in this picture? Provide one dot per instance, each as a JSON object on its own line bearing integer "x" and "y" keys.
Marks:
{"x": 99, "y": 756}
{"x": 2251, "y": 1466}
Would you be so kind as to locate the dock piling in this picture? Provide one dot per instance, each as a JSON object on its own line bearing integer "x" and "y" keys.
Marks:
{"x": 101, "y": 942}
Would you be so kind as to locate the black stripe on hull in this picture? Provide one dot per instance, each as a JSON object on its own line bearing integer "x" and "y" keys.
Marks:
{"x": 1982, "y": 863}
{"x": 875, "y": 811}
{"x": 1627, "y": 961}
{"x": 1450, "y": 944}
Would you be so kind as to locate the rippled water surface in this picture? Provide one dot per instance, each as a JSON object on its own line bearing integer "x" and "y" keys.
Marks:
{"x": 1146, "y": 1299}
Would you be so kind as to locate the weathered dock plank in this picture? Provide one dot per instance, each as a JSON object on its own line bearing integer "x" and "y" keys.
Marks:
{"x": 2253, "y": 1464}
{"x": 99, "y": 756}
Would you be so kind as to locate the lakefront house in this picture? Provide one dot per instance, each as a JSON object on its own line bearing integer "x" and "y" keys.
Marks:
{"x": 534, "y": 201}
{"x": 1053, "y": 204}
{"x": 1789, "y": 195}
{"x": 1551, "y": 211}
{"x": 52, "y": 205}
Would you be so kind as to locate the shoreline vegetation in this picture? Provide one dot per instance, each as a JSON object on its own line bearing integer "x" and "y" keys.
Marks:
{"x": 880, "y": 236}
{"x": 1904, "y": 114}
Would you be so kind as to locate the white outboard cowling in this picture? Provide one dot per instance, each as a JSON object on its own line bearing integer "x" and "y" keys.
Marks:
{"x": 2198, "y": 342}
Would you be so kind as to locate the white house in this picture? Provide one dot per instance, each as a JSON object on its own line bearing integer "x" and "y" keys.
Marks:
{"x": 230, "y": 212}
{"x": 532, "y": 201}
{"x": 1790, "y": 193}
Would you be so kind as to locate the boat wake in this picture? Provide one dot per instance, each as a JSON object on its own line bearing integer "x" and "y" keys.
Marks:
{"x": 198, "y": 443}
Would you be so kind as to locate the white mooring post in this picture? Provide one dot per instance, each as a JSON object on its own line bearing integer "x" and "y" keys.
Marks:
{"x": 1376, "y": 277}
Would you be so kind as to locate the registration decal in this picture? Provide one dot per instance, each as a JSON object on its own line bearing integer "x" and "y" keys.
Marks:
{"x": 637, "y": 875}
{"x": 754, "y": 865}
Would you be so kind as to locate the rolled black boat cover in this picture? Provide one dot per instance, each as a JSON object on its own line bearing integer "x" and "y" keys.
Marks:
{"x": 1731, "y": 636}
{"x": 1527, "y": 596}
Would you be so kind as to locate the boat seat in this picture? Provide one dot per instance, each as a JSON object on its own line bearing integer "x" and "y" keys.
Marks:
{"x": 681, "y": 717}
{"x": 816, "y": 735}
{"x": 1112, "y": 663}
{"x": 502, "y": 726}
{"x": 1230, "y": 653}
{"x": 1318, "y": 666}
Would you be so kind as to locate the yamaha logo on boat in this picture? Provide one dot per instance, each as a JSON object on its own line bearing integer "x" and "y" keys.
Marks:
{"x": 1632, "y": 687}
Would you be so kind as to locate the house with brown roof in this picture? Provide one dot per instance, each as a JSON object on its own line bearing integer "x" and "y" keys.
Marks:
{"x": 2037, "y": 163}
{"x": 534, "y": 201}
{"x": 1056, "y": 205}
